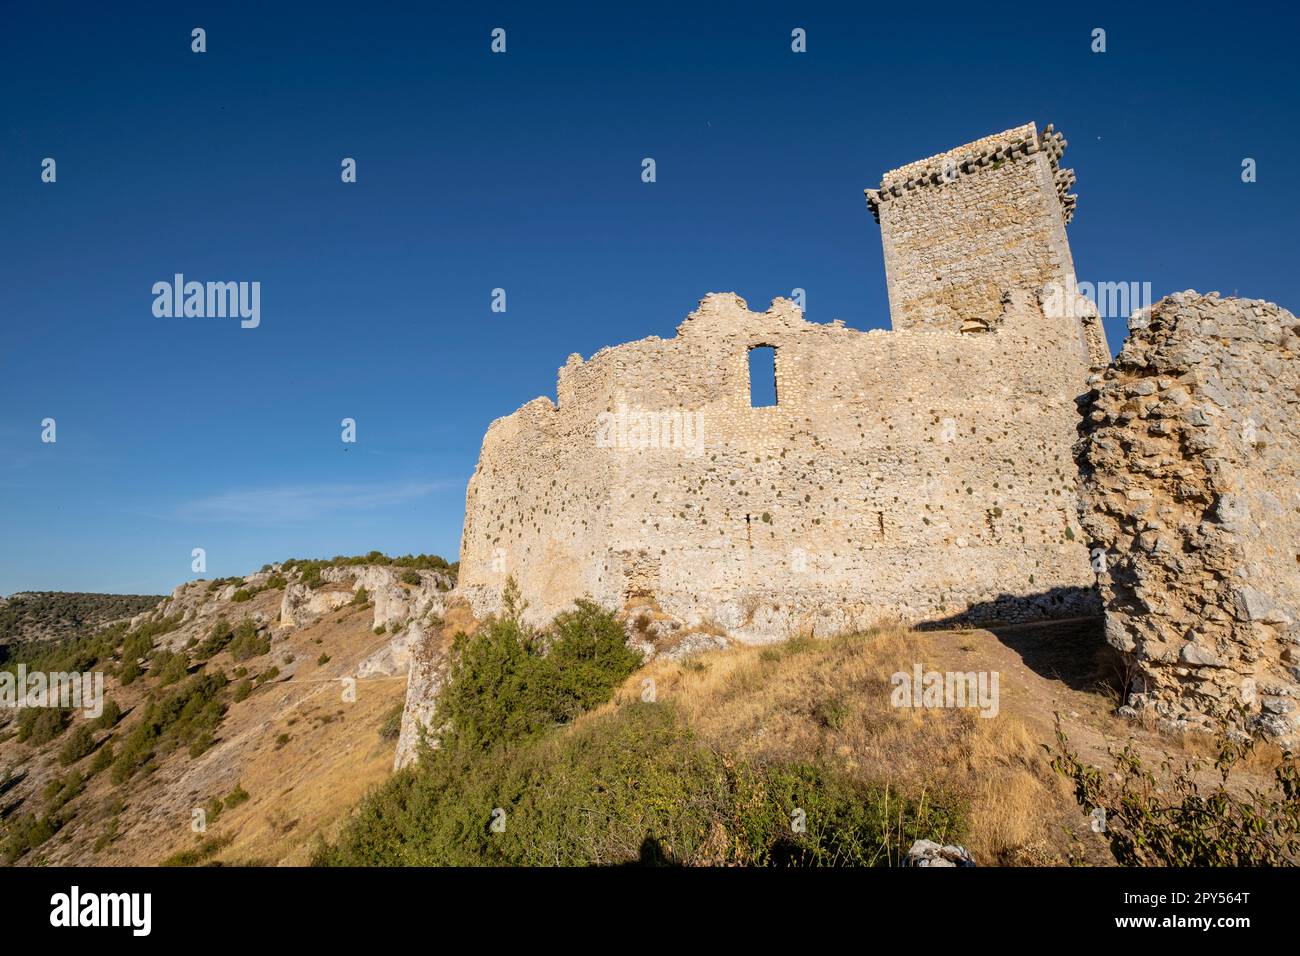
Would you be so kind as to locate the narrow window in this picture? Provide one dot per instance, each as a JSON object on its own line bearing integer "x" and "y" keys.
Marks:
{"x": 762, "y": 376}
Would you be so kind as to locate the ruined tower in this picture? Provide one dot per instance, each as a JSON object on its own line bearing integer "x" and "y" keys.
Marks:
{"x": 962, "y": 229}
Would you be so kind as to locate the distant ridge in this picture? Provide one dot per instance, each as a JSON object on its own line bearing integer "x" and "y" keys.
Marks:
{"x": 51, "y": 615}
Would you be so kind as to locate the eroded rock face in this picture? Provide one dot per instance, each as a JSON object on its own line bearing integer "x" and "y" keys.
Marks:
{"x": 301, "y": 604}
{"x": 1189, "y": 455}
{"x": 429, "y": 664}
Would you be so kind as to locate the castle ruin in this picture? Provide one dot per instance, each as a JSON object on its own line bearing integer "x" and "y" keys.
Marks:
{"x": 922, "y": 473}
{"x": 1191, "y": 497}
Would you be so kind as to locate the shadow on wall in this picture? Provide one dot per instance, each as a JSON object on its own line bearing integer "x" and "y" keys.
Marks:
{"x": 1054, "y": 604}
{"x": 1070, "y": 648}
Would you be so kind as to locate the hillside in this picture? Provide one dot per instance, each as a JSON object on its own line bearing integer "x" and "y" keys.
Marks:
{"x": 232, "y": 701}
{"x": 793, "y": 753}
{"x": 255, "y": 720}
{"x": 55, "y": 615}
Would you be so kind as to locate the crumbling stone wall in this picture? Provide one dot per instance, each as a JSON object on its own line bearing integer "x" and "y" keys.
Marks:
{"x": 1190, "y": 449}
{"x": 923, "y": 473}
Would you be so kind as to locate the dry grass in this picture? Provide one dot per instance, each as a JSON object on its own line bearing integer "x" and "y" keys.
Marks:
{"x": 829, "y": 699}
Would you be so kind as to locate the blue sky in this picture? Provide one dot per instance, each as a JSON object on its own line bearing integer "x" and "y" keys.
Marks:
{"x": 519, "y": 171}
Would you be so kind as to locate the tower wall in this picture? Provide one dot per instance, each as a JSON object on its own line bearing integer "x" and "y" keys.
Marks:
{"x": 963, "y": 228}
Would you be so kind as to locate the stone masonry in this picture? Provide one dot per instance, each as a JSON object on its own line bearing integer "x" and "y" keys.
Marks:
{"x": 922, "y": 473}
{"x": 1189, "y": 452}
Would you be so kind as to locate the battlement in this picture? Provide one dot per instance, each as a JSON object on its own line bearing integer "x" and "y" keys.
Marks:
{"x": 988, "y": 152}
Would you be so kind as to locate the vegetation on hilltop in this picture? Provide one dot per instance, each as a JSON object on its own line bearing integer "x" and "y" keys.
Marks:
{"x": 310, "y": 569}
{"x": 52, "y": 615}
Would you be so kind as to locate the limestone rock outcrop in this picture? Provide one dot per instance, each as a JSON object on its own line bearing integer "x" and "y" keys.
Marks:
{"x": 1189, "y": 453}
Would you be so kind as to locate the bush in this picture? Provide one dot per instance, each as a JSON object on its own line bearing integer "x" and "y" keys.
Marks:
{"x": 506, "y": 685}
{"x": 103, "y": 759}
{"x": 174, "y": 667}
{"x": 412, "y": 577}
{"x": 322, "y": 660}
{"x": 39, "y": 725}
{"x": 631, "y": 786}
{"x": 130, "y": 671}
{"x": 26, "y": 832}
{"x": 360, "y": 598}
{"x": 243, "y": 687}
{"x": 1165, "y": 820}
{"x": 241, "y": 595}
{"x": 235, "y": 797}
{"x": 203, "y": 851}
{"x": 219, "y": 636}
{"x": 248, "y": 643}
{"x": 111, "y": 715}
{"x": 391, "y": 728}
{"x": 81, "y": 743}
{"x": 139, "y": 643}
{"x": 188, "y": 716}
{"x": 59, "y": 791}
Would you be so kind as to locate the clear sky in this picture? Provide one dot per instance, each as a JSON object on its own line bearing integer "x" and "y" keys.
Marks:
{"x": 520, "y": 171}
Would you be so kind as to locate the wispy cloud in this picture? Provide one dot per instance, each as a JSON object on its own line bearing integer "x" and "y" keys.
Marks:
{"x": 292, "y": 503}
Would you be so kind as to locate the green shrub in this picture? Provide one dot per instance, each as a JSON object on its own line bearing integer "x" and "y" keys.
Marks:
{"x": 391, "y": 728}
{"x": 322, "y": 660}
{"x": 235, "y": 797}
{"x": 39, "y": 725}
{"x": 1166, "y": 820}
{"x": 506, "y": 685}
{"x": 111, "y": 714}
{"x": 26, "y": 832}
{"x": 130, "y": 671}
{"x": 241, "y": 595}
{"x": 248, "y": 643}
{"x": 360, "y": 598}
{"x": 243, "y": 687}
{"x": 60, "y": 790}
{"x": 81, "y": 743}
{"x": 187, "y": 716}
{"x": 631, "y": 786}
{"x": 412, "y": 577}
{"x": 219, "y": 636}
{"x": 139, "y": 643}
{"x": 103, "y": 759}
{"x": 174, "y": 667}
{"x": 206, "y": 849}
{"x": 107, "y": 836}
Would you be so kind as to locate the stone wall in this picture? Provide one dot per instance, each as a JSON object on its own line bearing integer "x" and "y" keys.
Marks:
{"x": 924, "y": 473}
{"x": 1190, "y": 452}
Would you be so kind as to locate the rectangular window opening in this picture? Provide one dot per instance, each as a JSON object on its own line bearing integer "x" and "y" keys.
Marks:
{"x": 762, "y": 376}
